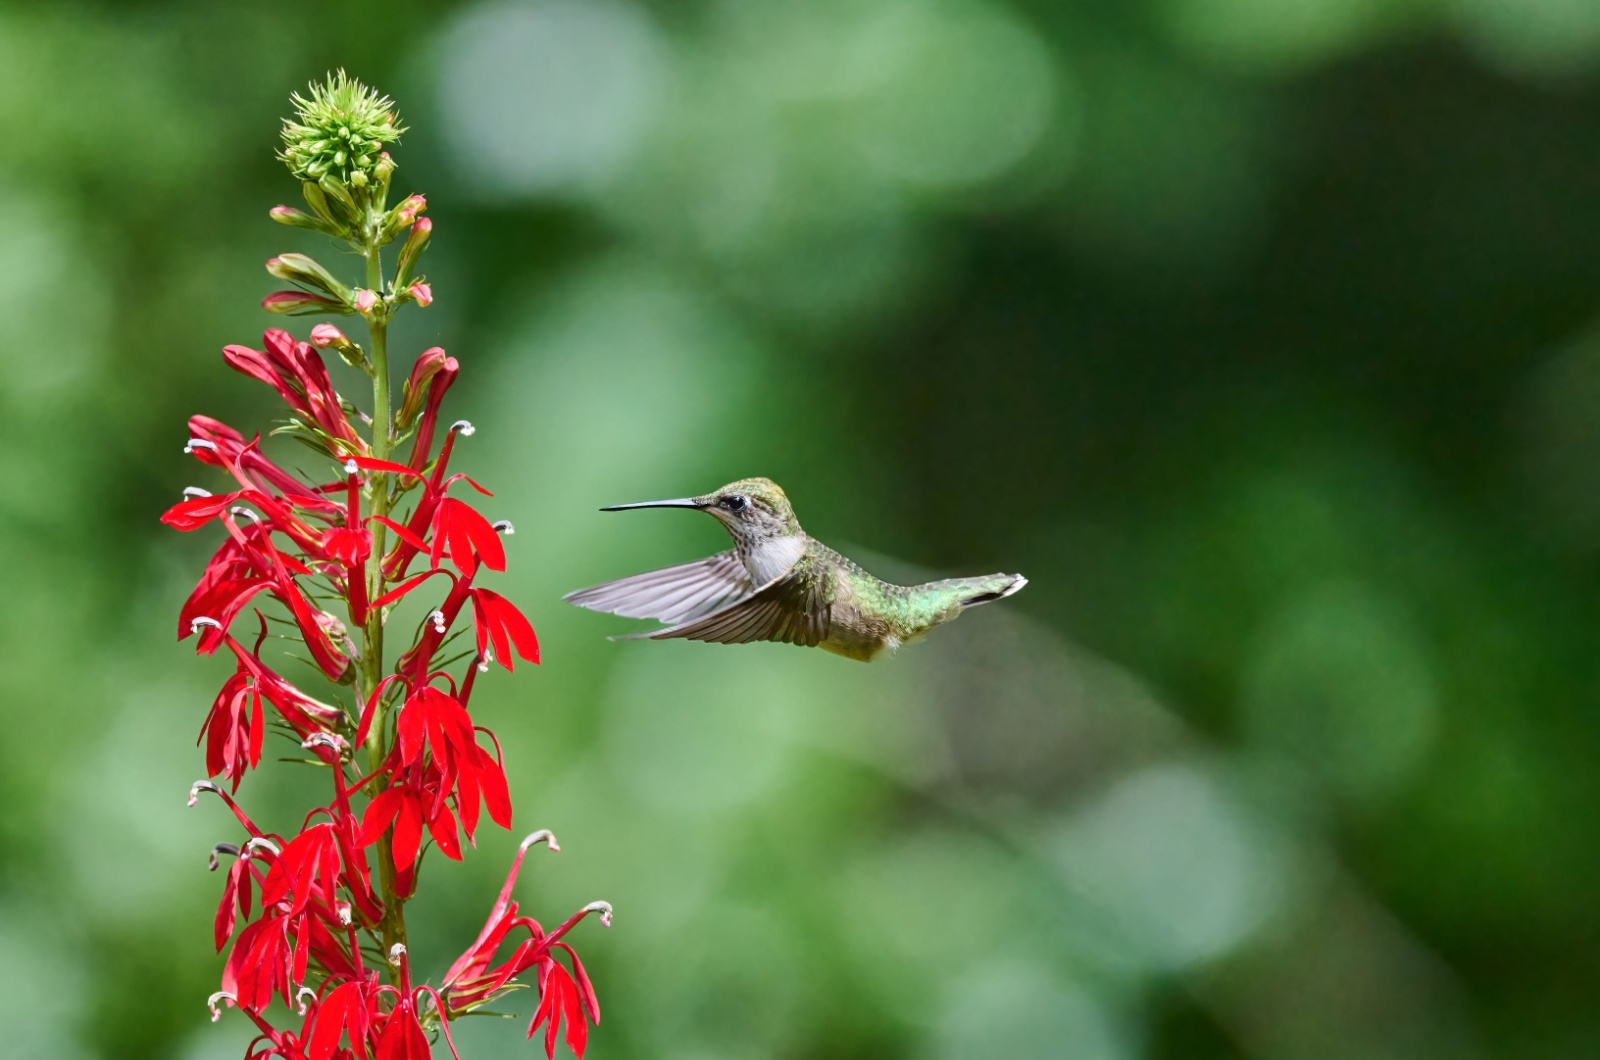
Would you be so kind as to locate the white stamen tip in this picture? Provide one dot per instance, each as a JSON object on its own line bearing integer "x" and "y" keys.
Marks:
{"x": 504, "y": 526}
{"x": 195, "y": 491}
{"x": 351, "y": 467}
{"x": 346, "y": 917}
{"x": 464, "y": 426}
{"x": 397, "y": 951}
{"x": 483, "y": 666}
{"x": 543, "y": 835}
{"x": 300, "y": 998}
{"x": 324, "y": 739}
{"x": 211, "y": 1003}
{"x": 197, "y": 624}
{"x": 260, "y": 842}
{"x": 199, "y": 443}
{"x": 438, "y": 620}
{"x": 198, "y": 787}
{"x": 221, "y": 848}
{"x": 603, "y": 908}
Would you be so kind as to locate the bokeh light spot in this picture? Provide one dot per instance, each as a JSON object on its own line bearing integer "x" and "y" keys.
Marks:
{"x": 551, "y": 95}
{"x": 1177, "y": 862}
{"x": 1342, "y": 683}
{"x": 963, "y": 92}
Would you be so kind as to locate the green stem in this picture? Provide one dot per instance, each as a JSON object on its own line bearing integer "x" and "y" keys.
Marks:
{"x": 371, "y": 671}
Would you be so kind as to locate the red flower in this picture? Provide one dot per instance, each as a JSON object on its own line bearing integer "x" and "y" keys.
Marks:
{"x": 474, "y": 978}
{"x": 437, "y": 760}
{"x": 236, "y": 893}
{"x": 241, "y": 568}
{"x": 301, "y": 912}
{"x": 297, "y": 372}
{"x": 226, "y": 447}
{"x": 431, "y": 376}
{"x": 346, "y": 1010}
{"x": 498, "y": 621}
{"x": 467, "y": 535}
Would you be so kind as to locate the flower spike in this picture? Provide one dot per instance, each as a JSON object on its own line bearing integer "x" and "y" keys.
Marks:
{"x": 325, "y": 554}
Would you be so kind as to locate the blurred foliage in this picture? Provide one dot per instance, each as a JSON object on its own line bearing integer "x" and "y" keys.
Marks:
{"x": 1259, "y": 335}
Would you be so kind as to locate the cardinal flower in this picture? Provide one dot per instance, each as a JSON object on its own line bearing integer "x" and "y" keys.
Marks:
{"x": 564, "y": 997}
{"x": 321, "y": 556}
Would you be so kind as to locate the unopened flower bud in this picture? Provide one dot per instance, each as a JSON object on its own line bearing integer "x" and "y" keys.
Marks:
{"x": 293, "y": 303}
{"x": 365, "y": 300}
{"x": 317, "y": 199}
{"x": 422, "y": 293}
{"x": 432, "y": 361}
{"x": 326, "y": 336}
{"x": 298, "y": 268}
{"x": 288, "y": 215}
{"x": 382, "y": 170}
{"x": 403, "y": 216}
{"x": 409, "y": 210}
{"x": 421, "y": 231}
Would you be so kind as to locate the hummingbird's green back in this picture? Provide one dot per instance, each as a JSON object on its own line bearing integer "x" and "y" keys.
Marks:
{"x": 868, "y": 614}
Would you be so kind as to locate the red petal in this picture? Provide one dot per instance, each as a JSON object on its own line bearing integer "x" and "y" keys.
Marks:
{"x": 442, "y": 826}
{"x": 402, "y": 1038}
{"x": 496, "y": 795}
{"x": 407, "y": 834}
{"x": 329, "y": 1022}
{"x": 372, "y": 463}
{"x": 577, "y": 1026}
{"x": 410, "y": 727}
{"x": 401, "y": 532}
{"x": 222, "y": 926}
{"x": 585, "y": 988}
{"x": 380, "y": 814}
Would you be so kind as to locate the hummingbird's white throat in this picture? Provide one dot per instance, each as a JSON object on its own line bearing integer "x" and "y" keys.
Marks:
{"x": 772, "y": 557}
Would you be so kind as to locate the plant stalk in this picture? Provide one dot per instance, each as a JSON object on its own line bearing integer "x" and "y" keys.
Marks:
{"x": 371, "y": 670}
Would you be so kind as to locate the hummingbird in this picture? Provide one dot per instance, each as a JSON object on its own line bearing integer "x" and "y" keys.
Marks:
{"x": 780, "y": 583}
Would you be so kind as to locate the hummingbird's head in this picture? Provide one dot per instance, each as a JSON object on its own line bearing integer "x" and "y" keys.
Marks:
{"x": 753, "y": 509}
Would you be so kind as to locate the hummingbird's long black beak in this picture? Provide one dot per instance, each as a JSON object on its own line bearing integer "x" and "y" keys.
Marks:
{"x": 681, "y": 502}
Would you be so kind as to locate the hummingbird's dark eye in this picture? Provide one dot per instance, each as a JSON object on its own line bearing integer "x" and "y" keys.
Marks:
{"x": 734, "y": 503}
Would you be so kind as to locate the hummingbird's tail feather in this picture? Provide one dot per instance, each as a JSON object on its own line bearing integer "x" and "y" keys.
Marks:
{"x": 672, "y": 594}
{"x": 990, "y": 588}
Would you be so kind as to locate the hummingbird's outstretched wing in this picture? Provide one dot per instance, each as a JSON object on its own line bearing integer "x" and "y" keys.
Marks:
{"x": 672, "y": 594}
{"x": 793, "y": 609}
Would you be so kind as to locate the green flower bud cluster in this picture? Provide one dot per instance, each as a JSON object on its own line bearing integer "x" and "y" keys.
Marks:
{"x": 337, "y": 134}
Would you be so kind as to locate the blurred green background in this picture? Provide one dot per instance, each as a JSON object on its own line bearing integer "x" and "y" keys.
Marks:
{"x": 1260, "y": 335}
